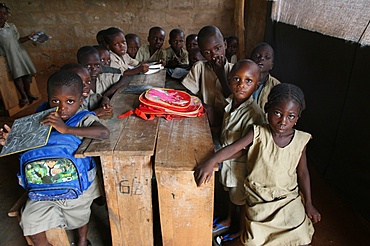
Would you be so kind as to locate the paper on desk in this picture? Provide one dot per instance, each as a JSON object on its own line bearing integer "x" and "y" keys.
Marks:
{"x": 154, "y": 68}
{"x": 179, "y": 73}
{"x": 135, "y": 89}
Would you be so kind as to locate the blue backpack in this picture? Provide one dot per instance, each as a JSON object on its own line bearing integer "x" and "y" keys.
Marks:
{"x": 51, "y": 172}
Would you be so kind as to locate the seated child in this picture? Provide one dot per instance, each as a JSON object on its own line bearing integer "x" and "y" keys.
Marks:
{"x": 263, "y": 55}
{"x": 277, "y": 173}
{"x": 133, "y": 44}
{"x": 100, "y": 38}
{"x": 116, "y": 43}
{"x": 65, "y": 92}
{"x": 105, "y": 60}
{"x": 92, "y": 101}
{"x": 176, "y": 54}
{"x": 240, "y": 115}
{"x": 207, "y": 79}
{"x": 105, "y": 84}
{"x": 179, "y": 73}
{"x": 194, "y": 56}
{"x": 232, "y": 46}
{"x": 153, "y": 51}
{"x": 191, "y": 42}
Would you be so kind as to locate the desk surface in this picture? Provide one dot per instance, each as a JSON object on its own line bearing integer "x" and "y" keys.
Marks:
{"x": 130, "y": 136}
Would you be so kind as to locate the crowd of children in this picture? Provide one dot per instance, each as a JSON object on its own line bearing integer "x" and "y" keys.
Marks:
{"x": 251, "y": 115}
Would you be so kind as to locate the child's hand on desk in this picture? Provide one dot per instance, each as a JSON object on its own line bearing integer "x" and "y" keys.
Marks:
{"x": 144, "y": 67}
{"x": 104, "y": 110}
{"x": 203, "y": 173}
{"x": 4, "y": 135}
{"x": 54, "y": 120}
{"x": 163, "y": 62}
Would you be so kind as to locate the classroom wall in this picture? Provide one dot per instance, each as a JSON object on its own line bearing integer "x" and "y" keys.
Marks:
{"x": 74, "y": 23}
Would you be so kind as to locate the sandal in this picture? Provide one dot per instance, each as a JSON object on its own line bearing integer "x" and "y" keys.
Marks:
{"x": 217, "y": 227}
{"x": 32, "y": 98}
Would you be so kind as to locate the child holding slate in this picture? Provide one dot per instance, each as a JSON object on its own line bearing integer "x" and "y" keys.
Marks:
{"x": 65, "y": 92}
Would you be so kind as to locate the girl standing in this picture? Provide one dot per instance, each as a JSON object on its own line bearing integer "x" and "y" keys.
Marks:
{"x": 20, "y": 64}
{"x": 276, "y": 174}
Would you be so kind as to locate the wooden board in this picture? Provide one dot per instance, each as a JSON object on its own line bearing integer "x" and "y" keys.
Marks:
{"x": 9, "y": 93}
{"x": 126, "y": 161}
{"x": 182, "y": 143}
{"x": 131, "y": 135}
{"x": 127, "y": 183}
{"x": 186, "y": 211}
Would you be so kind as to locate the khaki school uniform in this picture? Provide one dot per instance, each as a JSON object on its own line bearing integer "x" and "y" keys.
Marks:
{"x": 183, "y": 57}
{"x": 275, "y": 214}
{"x": 203, "y": 82}
{"x": 235, "y": 125}
{"x": 143, "y": 54}
{"x": 124, "y": 63}
{"x": 262, "y": 98}
{"x": 106, "y": 80}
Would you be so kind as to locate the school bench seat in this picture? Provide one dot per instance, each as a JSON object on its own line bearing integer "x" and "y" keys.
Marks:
{"x": 55, "y": 236}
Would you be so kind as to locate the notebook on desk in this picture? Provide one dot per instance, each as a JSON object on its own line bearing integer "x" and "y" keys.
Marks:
{"x": 27, "y": 133}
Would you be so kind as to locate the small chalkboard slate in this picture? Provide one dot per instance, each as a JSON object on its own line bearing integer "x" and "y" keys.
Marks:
{"x": 27, "y": 133}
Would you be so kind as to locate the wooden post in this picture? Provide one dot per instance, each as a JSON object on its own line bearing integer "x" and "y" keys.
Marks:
{"x": 239, "y": 27}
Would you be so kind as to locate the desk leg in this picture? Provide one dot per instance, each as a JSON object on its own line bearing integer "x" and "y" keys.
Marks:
{"x": 186, "y": 211}
{"x": 127, "y": 184}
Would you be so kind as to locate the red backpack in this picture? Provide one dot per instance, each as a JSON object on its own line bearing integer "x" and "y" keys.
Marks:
{"x": 166, "y": 103}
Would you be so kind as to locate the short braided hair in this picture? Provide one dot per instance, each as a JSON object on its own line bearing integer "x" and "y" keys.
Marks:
{"x": 285, "y": 91}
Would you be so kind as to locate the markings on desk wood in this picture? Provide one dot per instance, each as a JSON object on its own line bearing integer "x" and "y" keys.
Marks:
{"x": 135, "y": 188}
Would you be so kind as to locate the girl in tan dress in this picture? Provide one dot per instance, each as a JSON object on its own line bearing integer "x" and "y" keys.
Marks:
{"x": 276, "y": 174}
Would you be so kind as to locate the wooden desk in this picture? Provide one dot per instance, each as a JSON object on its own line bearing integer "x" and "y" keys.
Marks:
{"x": 126, "y": 160}
{"x": 186, "y": 211}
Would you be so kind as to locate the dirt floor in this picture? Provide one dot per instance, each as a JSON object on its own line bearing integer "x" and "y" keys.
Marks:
{"x": 340, "y": 225}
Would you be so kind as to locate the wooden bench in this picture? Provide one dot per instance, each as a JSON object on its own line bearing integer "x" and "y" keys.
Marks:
{"x": 55, "y": 236}
{"x": 9, "y": 93}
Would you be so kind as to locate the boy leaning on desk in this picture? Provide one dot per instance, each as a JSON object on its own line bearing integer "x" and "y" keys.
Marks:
{"x": 65, "y": 92}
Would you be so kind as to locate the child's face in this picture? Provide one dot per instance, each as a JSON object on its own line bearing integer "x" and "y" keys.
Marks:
{"x": 104, "y": 57}
{"x": 212, "y": 47}
{"x": 3, "y": 16}
{"x": 177, "y": 41}
{"x": 67, "y": 98}
{"x": 156, "y": 39}
{"x": 194, "y": 57}
{"x": 191, "y": 43}
{"x": 93, "y": 65}
{"x": 86, "y": 81}
{"x": 283, "y": 116}
{"x": 243, "y": 81}
{"x": 132, "y": 47}
{"x": 264, "y": 58}
{"x": 118, "y": 44}
{"x": 232, "y": 47}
